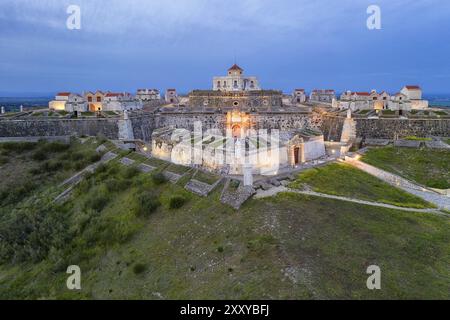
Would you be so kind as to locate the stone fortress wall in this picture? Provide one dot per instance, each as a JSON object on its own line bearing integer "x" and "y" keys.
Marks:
{"x": 401, "y": 128}
{"x": 144, "y": 124}
{"x": 59, "y": 127}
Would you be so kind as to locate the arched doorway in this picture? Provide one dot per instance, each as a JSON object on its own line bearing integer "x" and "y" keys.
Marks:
{"x": 296, "y": 155}
{"x": 236, "y": 131}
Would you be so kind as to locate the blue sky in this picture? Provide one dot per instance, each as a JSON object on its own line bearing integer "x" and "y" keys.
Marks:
{"x": 124, "y": 45}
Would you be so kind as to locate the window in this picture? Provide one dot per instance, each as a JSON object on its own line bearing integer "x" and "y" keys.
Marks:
{"x": 89, "y": 99}
{"x": 218, "y": 84}
{"x": 235, "y": 84}
{"x": 99, "y": 99}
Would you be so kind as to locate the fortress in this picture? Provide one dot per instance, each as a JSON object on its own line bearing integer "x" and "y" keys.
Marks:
{"x": 235, "y": 109}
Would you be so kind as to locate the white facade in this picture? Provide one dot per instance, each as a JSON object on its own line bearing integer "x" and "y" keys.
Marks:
{"x": 148, "y": 95}
{"x": 76, "y": 102}
{"x": 412, "y": 92}
{"x": 322, "y": 95}
{"x": 235, "y": 81}
{"x": 404, "y": 100}
{"x": 171, "y": 96}
{"x": 120, "y": 102}
{"x": 69, "y": 102}
{"x": 298, "y": 96}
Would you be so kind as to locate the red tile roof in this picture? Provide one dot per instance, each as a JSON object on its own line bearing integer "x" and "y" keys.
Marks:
{"x": 63, "y": 94}
{"x": 412, "y": 87}
{"x": 362, "y": 93}
{"x": 235, "y": 67}
{"x": 113, "y": 94}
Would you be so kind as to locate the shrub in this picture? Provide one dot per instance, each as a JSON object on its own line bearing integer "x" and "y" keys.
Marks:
{"x": 14, "y": 193}
{"x": 146, "y": 203}
{"x": 130, "y": 172}
{"x": 95, "y": 157}
{"x": 159, "y": 178}
{"x": 139, "y": 268}
{"x": 177, "y": 202}
{"x": 39, "y": 155}
{"x": 115, "y": 185}
{"x": 55, "y": 147}
{"x": 97, "y": 199}
{"x": 3, "y": 160}
{"x": 81, "y": 164}
{"x": 234, "y": 184}
{"x": 18, "y": 147}
{"x": 77, "y": 156}
{"x": 101, "y": 139}
{"x": 51, "y": 166}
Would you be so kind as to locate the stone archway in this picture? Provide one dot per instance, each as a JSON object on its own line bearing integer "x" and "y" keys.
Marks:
{"x": 296, "y": 151}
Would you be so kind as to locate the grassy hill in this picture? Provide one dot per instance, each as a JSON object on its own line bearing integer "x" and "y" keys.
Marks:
{"x": 132, "y": 240}
{"x": 428, "y": 167}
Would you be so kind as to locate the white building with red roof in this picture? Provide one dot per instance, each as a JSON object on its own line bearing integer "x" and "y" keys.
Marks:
{"x": 409, "y": 98}
{"x": 69, "y": 102}
{"x": 412, "y": 92}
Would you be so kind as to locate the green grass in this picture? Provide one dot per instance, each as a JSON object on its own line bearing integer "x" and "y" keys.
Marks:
{"x": 88, "y": 114}
{"x": 110, "y": 113}
{"x": 28, "y": 166}
{"x": 157, "y": 163}
{"x": 447, "y": 141}
{"x": 137, "y": 157}
{"x": 441, "y": 113}
{"x": 344, "y": 180}
{"x": 206, "y": 177}
{"x": 177, "y": 169}
{"x": 430, "y": 168}
{"x": 250, "y": 254}
{"x": 414, "y": 138}
{"x": 134, "y": 246}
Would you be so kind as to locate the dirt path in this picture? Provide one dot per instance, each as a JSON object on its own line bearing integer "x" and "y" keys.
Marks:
{"x": 274, "y": 191}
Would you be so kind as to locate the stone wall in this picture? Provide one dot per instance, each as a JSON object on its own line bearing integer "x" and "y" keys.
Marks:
{"x": 58, "y": 127}
{"x": 399, "y": 128}
{"x": 331, "y": 127}
{"x": 281, "y": 121}
{"x": 143, "y": 125}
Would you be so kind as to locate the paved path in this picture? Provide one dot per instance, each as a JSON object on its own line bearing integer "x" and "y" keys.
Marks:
{"x": 441, "y": 201}
{"x": 274, "y": 191}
